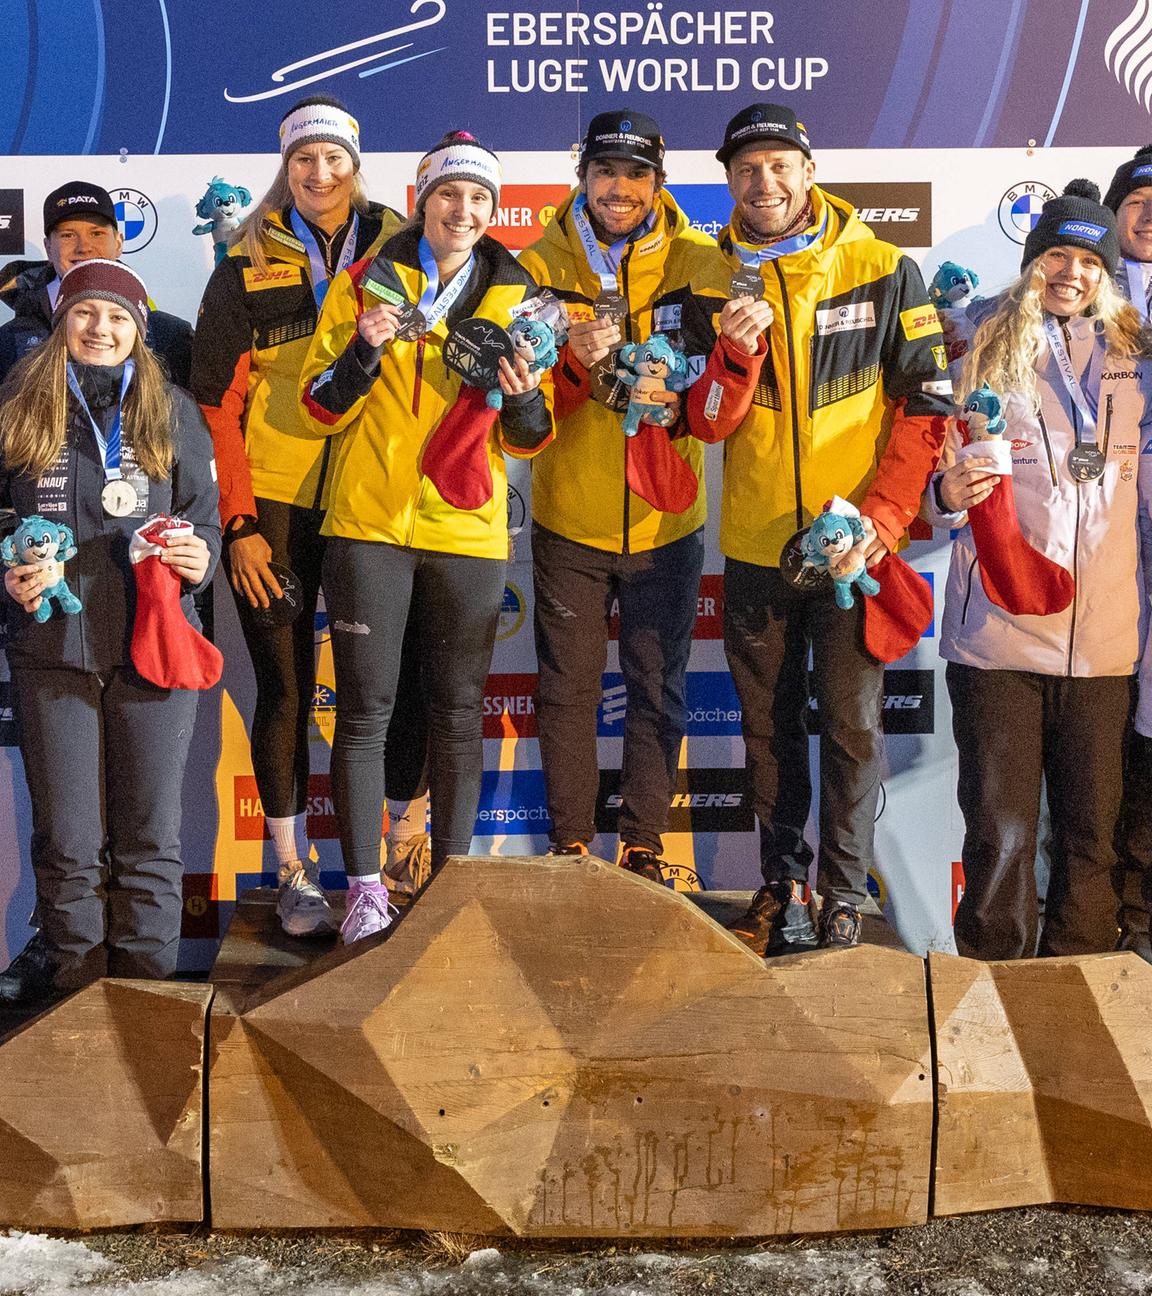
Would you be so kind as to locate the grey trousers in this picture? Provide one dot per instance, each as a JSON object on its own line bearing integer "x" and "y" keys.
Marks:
{"x": 104, "y": 758}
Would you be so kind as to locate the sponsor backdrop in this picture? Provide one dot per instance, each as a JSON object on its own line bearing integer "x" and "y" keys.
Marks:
{"x": 1058, "y": 91}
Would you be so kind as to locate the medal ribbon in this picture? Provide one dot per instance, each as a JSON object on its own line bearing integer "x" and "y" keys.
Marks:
{"x": 1137, "y": 293}
{"x": 758, "y": 256}
{"x": 1080, "y": 397}
{"x": 604, "y": 264}
{"x": 318, "y": 269}
{"x": 434, "y": 307}
{"x": 109, "y": 446}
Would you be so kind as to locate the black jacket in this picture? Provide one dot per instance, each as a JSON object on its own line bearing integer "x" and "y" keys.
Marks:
{"x": 25, "y": 292}
{"x": 100, "y": 638}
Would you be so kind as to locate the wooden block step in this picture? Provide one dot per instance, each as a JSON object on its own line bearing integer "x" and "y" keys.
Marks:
{"x": 558, "y": 1048}
{"x": 1045, "y": 1082}
{"x": 101, "y": 1104}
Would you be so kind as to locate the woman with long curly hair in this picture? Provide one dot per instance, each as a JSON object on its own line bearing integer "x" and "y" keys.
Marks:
{"x": 1042, "y": 609}
{"x": 94, "y": 443}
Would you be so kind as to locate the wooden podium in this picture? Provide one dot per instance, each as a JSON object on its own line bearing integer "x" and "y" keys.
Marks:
{"x": 554, "y": 1047}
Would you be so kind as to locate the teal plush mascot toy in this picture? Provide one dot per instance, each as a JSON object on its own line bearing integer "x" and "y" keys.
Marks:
{"x": 647, "y": 368}
{"x": 48, "y": 545}
{"x": 952, "y": 285}
{"x": 830, "y": 546}
{"x": 220, "y": 209}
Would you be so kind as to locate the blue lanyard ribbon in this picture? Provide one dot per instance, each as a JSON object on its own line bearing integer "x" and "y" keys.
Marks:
{"x": 110, "y": 445}
{"x": 434, "y": 307}
{"x": 1137, "y": 289}
{"x": 1084, "y": 403}
{"x": 605, "y": 264}
{"x": 319, "y": 270}
{"x": 758, "y": 256}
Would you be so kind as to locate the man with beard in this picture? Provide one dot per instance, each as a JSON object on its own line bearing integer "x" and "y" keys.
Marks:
{"x": 616, "y": 518}
{"x": 827, "y": 379}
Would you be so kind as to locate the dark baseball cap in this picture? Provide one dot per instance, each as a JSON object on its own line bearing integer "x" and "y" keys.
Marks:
{"x": 763, "y": 123}
{"x": 78, "y": 200}
{"x": 633, "y": 136}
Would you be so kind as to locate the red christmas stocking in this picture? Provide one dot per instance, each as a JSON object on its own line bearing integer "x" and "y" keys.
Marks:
{"x": 456, "y": 457}
{"x": 656, "y": 472}
{"x": 1015, "y": 576}
{"x": 166, "y": 650}
{"x": 896, "y": 617}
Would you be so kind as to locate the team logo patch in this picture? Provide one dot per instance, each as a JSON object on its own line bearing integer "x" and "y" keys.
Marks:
{"x": 274, "y": 277}
{"x": 1020, "y": 208}
{"x": 845, "y": 319}
{"x": 919, "y": 321}
{"x": 136, "y": 216}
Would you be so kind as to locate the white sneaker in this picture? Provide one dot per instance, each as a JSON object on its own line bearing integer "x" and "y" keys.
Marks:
{"x": 409, "y": 864}
{"x": 368, "y": 913}
{"x": 301, "y": 906}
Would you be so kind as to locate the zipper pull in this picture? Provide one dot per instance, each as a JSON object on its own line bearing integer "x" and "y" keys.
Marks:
{"x": 419, "y": 376}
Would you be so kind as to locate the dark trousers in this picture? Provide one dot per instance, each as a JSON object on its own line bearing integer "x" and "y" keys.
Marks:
{"x": 104, "y": 758}
{"x": 373, "y": 590}
{"x": 1015, "y": 729}
{"x": 284, "y": 662}
{"x": 768, "y": 631}
{"x": 1134, "y": 871}
{"x": 657, "y": 592}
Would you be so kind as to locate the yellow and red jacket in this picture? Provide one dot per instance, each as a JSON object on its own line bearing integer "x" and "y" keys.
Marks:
{"x": 579, "y": 488}
{"x": 848, "y": 396}
{"x": 254, "y": 329}
{"x": 385, "y": 407}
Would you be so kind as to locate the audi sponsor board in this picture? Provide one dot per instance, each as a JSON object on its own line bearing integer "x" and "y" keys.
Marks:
{"x": 705, "y": 800}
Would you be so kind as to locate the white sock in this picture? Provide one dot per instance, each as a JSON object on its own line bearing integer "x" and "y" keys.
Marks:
{"x": 364, "y": 880}
{"x": 289, "y": 837}
{"x": 407, "y": 818}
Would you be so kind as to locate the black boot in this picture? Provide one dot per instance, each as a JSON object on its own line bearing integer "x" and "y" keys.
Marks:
{"x": 29, "y": 977}
{"x": 778, "y": 920}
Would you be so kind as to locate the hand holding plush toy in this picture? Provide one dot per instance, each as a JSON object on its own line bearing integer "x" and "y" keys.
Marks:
{"x": 535, "y": 343}
{"x": 835, "y": 544}
{"x": 655, "y": 372}
{"x": 36, "y": 542}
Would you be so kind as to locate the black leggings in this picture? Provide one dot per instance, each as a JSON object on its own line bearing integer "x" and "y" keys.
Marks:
{"x": 284, "y": 661}
{"x": 373, "y": 590}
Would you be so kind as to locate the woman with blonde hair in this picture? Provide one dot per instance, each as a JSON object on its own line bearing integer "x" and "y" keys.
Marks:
{"x": 93, "y": 439}
{"x": 1041, "y": 615}
{"x": 256, "y": 323}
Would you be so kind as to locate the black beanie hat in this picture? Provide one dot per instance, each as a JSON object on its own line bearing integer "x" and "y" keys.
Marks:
{"x": 1133, "y": 174}
{"x": 1076, "y": 219}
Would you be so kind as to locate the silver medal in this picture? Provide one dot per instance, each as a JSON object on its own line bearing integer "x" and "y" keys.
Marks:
{"x": 119, "y": 498}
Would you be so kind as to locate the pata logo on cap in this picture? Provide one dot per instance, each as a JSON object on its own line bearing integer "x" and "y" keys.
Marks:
{"x": 79, "y": 198}
{"x": 1082, "y": 229}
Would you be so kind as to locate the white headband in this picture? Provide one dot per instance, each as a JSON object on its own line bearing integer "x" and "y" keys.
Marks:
{"x": 458, "y": 160}
{"x": 320, "y": 124}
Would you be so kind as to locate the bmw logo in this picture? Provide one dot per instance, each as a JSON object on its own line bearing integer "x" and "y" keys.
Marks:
{"x": 1020, "y": 208}
{"x": 136, "y": 216}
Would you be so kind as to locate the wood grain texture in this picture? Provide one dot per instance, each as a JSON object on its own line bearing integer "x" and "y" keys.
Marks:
{"x": 101, "y": 1106}
{"x": 1045, "y": 1082}
{"x": 558, "y": 1048}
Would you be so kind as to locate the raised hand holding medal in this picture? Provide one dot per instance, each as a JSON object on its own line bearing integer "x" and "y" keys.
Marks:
{"x": 743, "y": 320}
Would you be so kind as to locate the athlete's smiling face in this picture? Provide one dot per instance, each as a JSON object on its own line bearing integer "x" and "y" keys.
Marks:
{"x": 770, "y": 186}
{"x": 620, "y": 194}
{"x": 99, "y": 332}
{"x": 1071, "y": 279}
{"x": 320, "y": 179}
